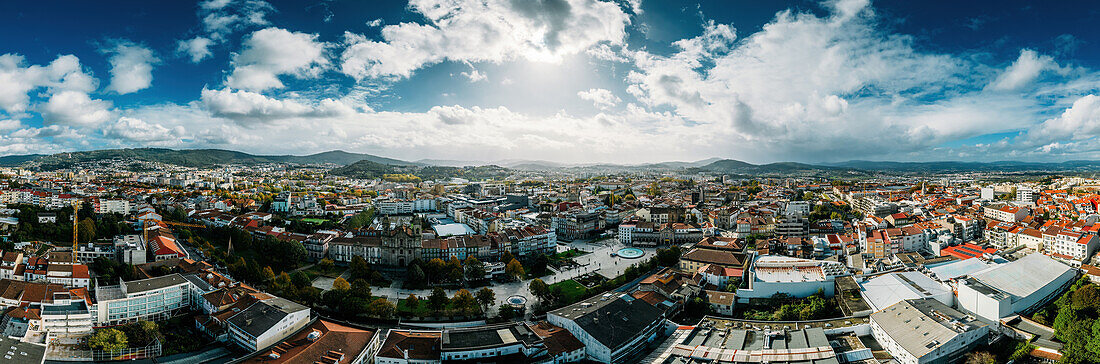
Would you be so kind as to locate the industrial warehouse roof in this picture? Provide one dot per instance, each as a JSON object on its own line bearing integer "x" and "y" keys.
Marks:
{"x": 691, "y": 344}
{"x": 613, "y": 320}
{"x": 886, "y": 290}
{"x": 922, "y": 326}
{"x": 960, "y": 268}
{"x": 1024, "y": 276}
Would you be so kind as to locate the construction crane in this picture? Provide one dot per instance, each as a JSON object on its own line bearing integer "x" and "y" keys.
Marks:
{"x": 76, "y": 210}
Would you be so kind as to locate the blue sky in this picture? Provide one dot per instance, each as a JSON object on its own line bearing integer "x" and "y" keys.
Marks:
{"x": 625, "y": 81}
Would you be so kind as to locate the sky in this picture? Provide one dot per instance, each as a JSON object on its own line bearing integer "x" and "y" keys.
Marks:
{"x": 575, "y": 81}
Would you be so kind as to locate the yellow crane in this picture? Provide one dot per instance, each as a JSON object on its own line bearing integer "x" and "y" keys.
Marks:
{"x": 76, "y": 210}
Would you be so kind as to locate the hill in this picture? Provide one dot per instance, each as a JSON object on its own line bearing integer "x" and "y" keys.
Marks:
{"x": 194, "y": 157}
{"x": 366, "y": 169}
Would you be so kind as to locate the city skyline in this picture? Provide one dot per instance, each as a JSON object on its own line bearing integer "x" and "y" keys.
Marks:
{"x": 577, "y": 81}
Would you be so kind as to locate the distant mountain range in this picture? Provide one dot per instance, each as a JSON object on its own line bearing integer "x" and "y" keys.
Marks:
{"x": 190, "y": 158}
{"x": 384, "y": 165}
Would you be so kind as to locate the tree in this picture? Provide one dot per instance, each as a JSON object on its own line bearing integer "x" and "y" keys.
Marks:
{"x": 514, "y": 269}
{"x": 326, "y": 264}
{"x": 454, "y": 269}
{"x": 361, "y": 288}
{"x": 282, "y": 281}
{"x": 668, "y": 257}
{"x": 474, "y": 269}
{"x": 507, "y": 312}
{"x": 300, "y": 279}
{"x": 412, "y": 301}
{"x": 140, "y": 333}
{"x": 464, "y": 300}
{"x": 1086, "y": 297}
{"x": 340, "y": 284}
{"x": 506, "y": 256}
{"x": 416, "y": 276}
{"x": 539, "y": 289}
{"x": 86, "y": 228}
{"x": 438, "y": 299}
{"x": 486, "y": 297}
{"x": 381, "y": 307}
{"x": 109, "y": 340}
{"x": 269, "y": 274}
{"x": 435, "y": 269}
{"x": 359, "y": 267}
{"x": 980, "y": 357}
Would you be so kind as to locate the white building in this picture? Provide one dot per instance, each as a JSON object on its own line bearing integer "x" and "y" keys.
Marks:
{"x": 922, "y": 331}
{"x": 771, "y": 274}
{"x": 152, "y": 299}
{"x": 266, "y": 322}
{"x": 612, "y": 327}
{"x": 1014, "y": 287}
{"x": 888, "y": 289}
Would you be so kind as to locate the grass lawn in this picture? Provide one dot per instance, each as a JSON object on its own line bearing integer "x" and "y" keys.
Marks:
{"x": 315, "y": 271}
{"x": 568, "y": 254}
{"x": 423, "y": 310}
{"x": 314, "y": 220}
{"x": 571, "y": 290}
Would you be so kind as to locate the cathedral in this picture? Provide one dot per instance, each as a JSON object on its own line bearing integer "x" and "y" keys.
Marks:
{"x": 401, "y": 244}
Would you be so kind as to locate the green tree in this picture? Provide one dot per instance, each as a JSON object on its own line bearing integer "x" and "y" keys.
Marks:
{"x": 438, "y": 299}
{"x": 86, "y": 227}
{"x": 540, "y": 289}
{"x": 359, "y": 267}
{"x": 109, "y": 340}
{"x": 486, "y": 297}
{"x": 464, "y": 301}
{"x": 268, "y": 274}
{"x": 412, "y": 301}
{"x": 474, "y": 269}
{"x": 301, "y": 279}
{"x": 326, "y": 265}
{"x": 980, "y": 357}
{"x": 381, "y": 307}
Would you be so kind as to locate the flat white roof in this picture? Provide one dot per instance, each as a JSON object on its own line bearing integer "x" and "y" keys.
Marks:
{"x": 886, "y": 290}
{"x": 454, "y": 229}
{"x": 1024, "y": 276}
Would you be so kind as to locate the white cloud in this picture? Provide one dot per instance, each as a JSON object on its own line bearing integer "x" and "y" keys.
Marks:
{"x": 198, "y": 48}
{"x": 271, "y": 52}
{"x": 250, "y": 107}
{"x": 484, "y": 31}
{"x": 1024, "y": 71}
{"x": 1079, "y": 121}
{"x": 474, "y": 75}
{"x": 131, "y": 66}
{"x": 223, "y": 17}
{"x": 599, "y": 97}
{"x": 137, "y": 130}
{"x": 18, "y": 79}
{"x": 75, "y": 108}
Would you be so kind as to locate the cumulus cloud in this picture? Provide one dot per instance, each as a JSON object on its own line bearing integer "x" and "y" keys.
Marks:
{"x": 131, "y": 66}
{"x": 271, "y": 52}
{"x": 1025, "y": 70}
{"x": 197, "y": 48}
{"x": 806, "y": 84}
{"x": 251, "y": 107}
{"x": 484, "y": 31}
{"x": 222, "y": 17}
{"x": 474, "y": 75}
{"x": 137, "y": 130}
{"x": 74, "y": 108}
{"x": 18, "y": 79}
{"x": 599, "y": 97}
